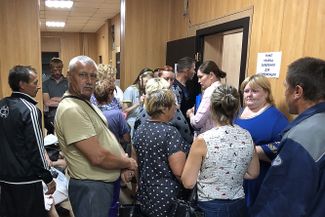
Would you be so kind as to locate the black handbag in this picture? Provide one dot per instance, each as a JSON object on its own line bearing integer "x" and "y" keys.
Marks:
{"x": 182, "y": 208}
{"x": 129, "y": 210}
{"x": 186, "y": 208}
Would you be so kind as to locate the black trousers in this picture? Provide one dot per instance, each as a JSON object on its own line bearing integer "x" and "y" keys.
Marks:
{"x": 25, "y": 200}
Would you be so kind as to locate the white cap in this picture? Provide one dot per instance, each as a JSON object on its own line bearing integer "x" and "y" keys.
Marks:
{"x": 50, "y": 140}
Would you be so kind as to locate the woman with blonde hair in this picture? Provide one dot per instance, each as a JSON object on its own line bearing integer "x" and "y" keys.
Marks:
{"x": 159, "y": 153}
{"x": 264, "y": 122}
{"x": 221, "y": 158}
{"x": 178, "y": 120}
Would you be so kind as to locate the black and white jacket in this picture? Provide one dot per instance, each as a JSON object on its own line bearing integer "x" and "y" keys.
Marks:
{"x": 22, "y": 153}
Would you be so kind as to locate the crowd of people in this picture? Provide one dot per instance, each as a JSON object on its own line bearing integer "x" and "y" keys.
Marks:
{"x": 242, "y": 158}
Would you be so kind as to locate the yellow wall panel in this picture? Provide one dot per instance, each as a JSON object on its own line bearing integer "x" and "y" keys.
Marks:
{"x": 19, "y": 39}
{"x": 146, "y": 34}
{"x": 102, "y": 38}
{"x": 71, "y": 45}
{"x": 315, "y": 31}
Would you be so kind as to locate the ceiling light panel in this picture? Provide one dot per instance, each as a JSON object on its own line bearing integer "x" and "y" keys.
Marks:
{"x": 55, "y": 24}
{"x": 58, "y": 4}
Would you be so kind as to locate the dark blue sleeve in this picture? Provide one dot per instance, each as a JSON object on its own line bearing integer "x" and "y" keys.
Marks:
{"x": 123, "y": 125}
{"x": 290, "y": 184}
{"x": 271, "y": 148}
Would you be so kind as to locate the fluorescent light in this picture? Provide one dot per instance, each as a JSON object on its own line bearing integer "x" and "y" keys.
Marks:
{"x": 55, "y": 24}
{"x": 58, "y": 4}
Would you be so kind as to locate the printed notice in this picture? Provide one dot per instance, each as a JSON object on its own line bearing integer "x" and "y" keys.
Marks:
{"x": 269, "y": 64}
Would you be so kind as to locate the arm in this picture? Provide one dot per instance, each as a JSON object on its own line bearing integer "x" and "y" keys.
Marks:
{"x": 33, "y": 140}
{"x": 176, "y": 162}
{"x": 100, "y": 157}
{"x": 129, "y": 99}
{"x": 290, "y": 185}
{"x": 267, "y": 152}
{"x": 193, "y": 163}
{"x": 202, "y": 114}
{"x": 51, "y": 102}
{"x": 128, "y": 107}
{"x": 253, "y": 169}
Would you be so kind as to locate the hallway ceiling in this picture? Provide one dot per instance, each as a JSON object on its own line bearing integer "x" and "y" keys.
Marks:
{"x": 84, "y": 16}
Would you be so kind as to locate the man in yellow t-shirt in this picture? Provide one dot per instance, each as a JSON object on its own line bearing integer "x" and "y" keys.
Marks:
{"x": 95, "y": 158}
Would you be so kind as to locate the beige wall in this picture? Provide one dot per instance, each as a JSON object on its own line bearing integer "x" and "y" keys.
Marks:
{"x": 104, "y": 39}
{"x": 70, "y": 45}
{"x": 116, "y": 21}
{"x": 103, "y": 43}
{"x": 19, "y": 39}
{"x": 143, "y": 41}
{"x": 295, "y": 28}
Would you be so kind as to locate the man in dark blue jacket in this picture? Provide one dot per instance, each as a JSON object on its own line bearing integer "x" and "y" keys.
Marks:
{"x": 295, "y": 183}
{"x": 23, "y": 166}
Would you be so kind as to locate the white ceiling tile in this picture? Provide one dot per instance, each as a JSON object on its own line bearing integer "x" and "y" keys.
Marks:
{"x": 84, "y": 16}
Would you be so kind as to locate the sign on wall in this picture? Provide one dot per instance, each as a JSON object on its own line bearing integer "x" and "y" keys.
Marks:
{"x": 269, "y": 64}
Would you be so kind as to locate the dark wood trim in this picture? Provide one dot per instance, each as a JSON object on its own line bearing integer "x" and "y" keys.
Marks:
{"x": 224, "y": 27}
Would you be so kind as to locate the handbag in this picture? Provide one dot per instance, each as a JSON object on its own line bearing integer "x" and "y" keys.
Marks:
{"x": 129, "y": 210}
{"x": 186, "y": 208}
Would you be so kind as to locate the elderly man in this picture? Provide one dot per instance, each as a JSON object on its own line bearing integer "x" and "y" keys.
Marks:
{"x": 295, "y": 183}
{"x": 22, "y": 159}
{"x": 94, "y": 156}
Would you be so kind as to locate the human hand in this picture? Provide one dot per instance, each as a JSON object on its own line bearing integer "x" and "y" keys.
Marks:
{"x": 61, "y": 163}
{"x": 190, "y": 112}
{"x": 142, "y": 98}
{"x": 133, "y": 165}
{"x": 127, "y": 175}
{"x": 51, "y": 187}
{"x": 56, "y": 99}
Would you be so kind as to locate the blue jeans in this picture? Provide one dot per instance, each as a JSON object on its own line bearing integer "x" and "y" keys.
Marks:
{"x": 224, "y": 208}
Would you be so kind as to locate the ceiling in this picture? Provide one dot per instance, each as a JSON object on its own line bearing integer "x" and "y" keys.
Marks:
{"x": 84, "y": 16}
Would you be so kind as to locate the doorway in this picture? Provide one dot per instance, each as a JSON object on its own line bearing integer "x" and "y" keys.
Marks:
{"x": 226, "y": 44}
{"x": 225, "y": 49}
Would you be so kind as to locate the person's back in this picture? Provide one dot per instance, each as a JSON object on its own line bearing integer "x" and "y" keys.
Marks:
{"x": 229, "y": 152}
{"x": 22, "y": 160}
{"x": 221, "y": 158}
{"x": 116, "y": 122}
{"x": 158, "y": 147}
{"x": 13, "y": 141}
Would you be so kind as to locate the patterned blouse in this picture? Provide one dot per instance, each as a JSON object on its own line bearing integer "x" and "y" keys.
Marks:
{"x": 154, "y": 142}
{"x": 229, "y": 152}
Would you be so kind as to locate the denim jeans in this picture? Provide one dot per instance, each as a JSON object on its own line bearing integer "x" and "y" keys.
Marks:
{"x": 224, "y": 208}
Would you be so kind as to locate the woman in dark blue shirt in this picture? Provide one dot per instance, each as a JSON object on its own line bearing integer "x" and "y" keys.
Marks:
{"x": 265, "y": 123}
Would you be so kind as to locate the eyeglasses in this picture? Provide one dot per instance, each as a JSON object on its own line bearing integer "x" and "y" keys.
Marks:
{"x": 85, "y": 75}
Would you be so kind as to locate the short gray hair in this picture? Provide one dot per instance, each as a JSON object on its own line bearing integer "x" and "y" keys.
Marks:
{"x": 81, "y": 59}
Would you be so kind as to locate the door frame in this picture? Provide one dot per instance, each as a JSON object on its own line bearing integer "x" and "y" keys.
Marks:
{"x": 242, "y": 23}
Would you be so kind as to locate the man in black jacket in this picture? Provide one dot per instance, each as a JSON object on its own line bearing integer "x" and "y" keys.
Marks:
{"x": 23, "y": 166}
